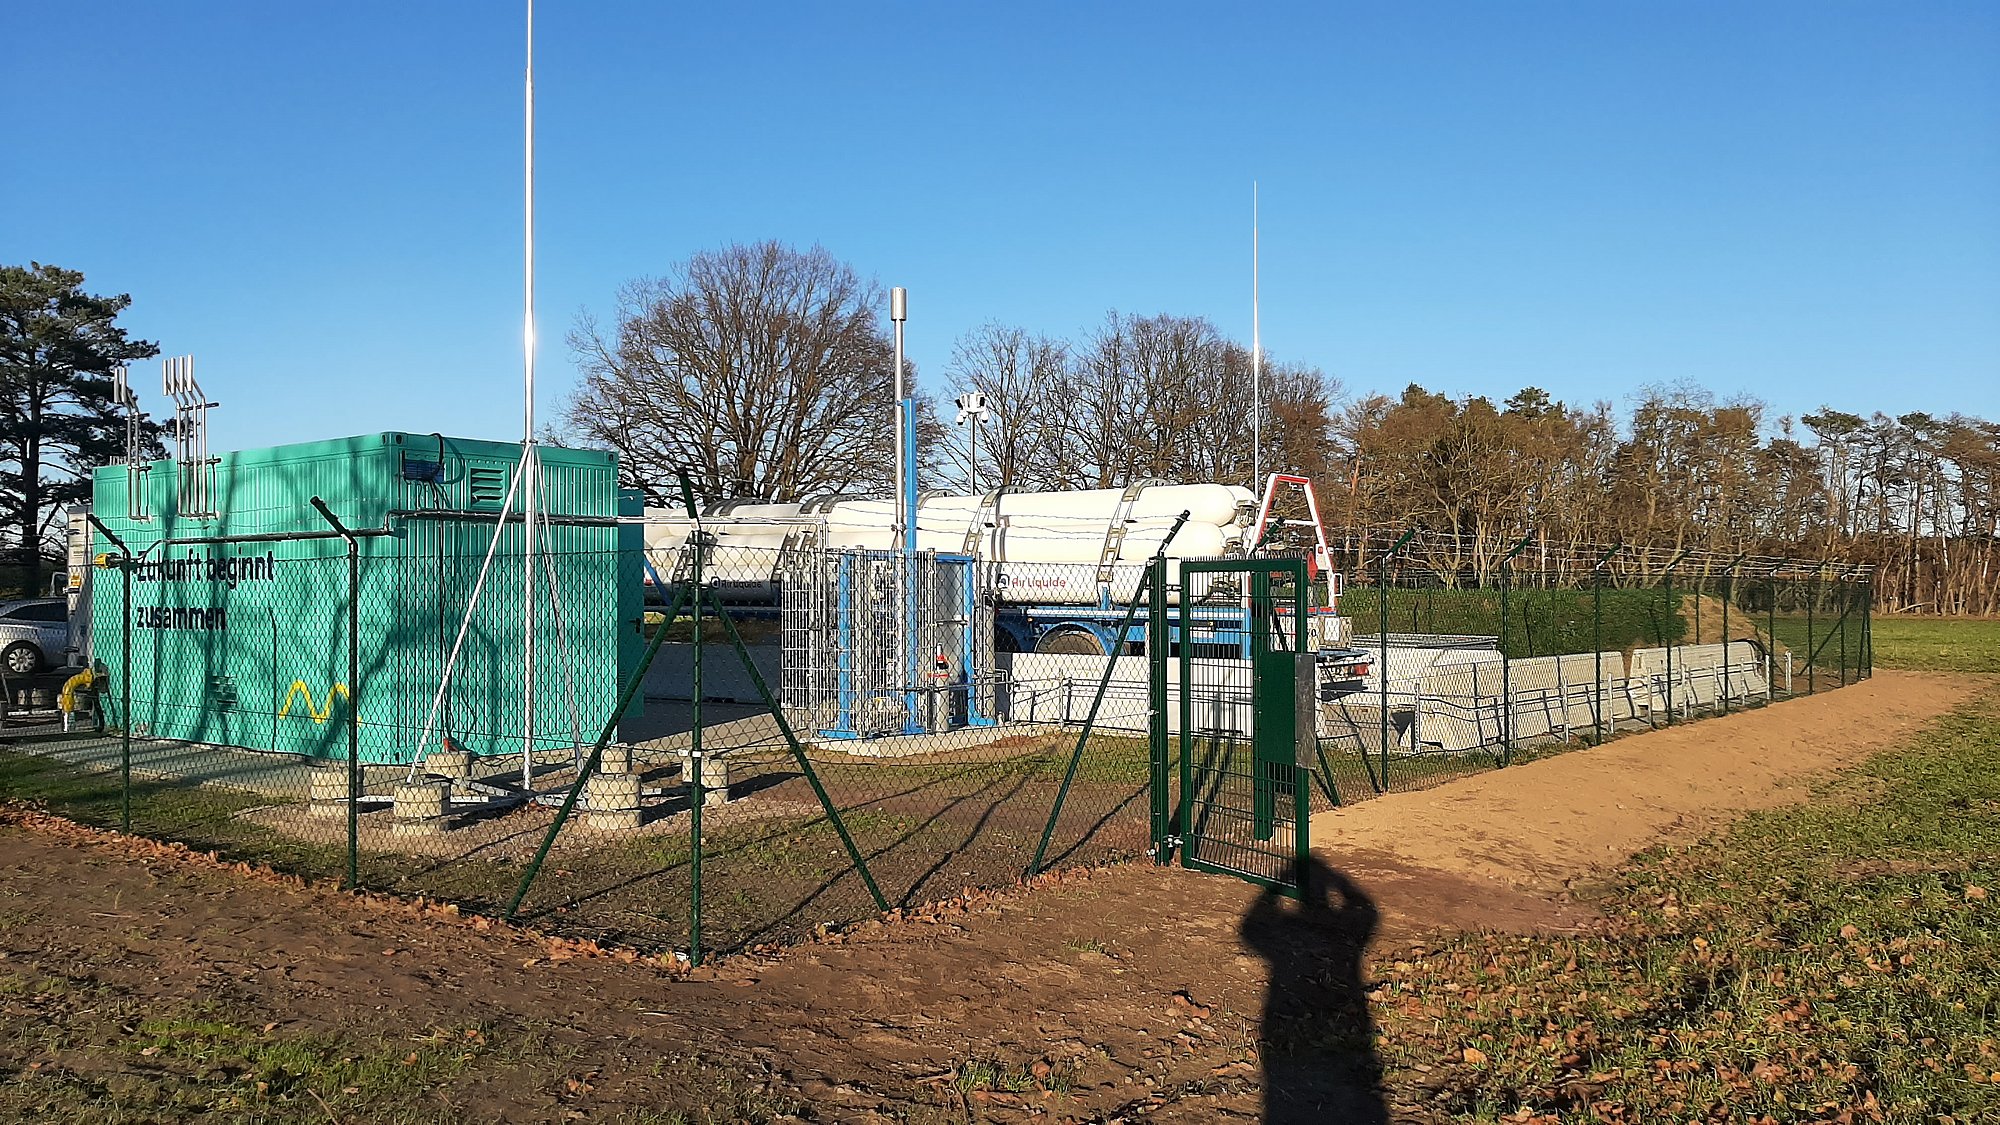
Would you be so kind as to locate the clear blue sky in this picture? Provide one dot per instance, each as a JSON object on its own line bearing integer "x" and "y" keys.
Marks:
{"x": 321, "y": 202}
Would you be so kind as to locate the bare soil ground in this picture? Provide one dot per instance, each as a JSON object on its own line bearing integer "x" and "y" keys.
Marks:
{"x": 1548, "y": 823}
{"x": 1101, "y": 996}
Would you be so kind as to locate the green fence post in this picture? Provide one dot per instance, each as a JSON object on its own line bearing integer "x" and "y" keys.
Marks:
{"x": 124, "y": 674}
{"x": 1382, "y": 666}
{"x": 1156, "y": 705}
{"x": 1382, "y": 639}
{"x": 1846, "y": 605}
{"x": 1771, "y": 636}
{"x": 1506, "y": 669}
{"x": 697, "y": 794}
{"x": 1868, "y": 624}
{"x": 1597, "y": 634}
{"x": 1667, "y": 641}
{"x": 125, "y": 693}
{"x": 1728, "y": 592}
{"x": 1812, "y": 650}
{"x": 1506, "y": 570}
{"x": 353, "y": 694}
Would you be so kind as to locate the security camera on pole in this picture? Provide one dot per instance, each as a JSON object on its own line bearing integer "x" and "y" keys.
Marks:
{"x": 972, "y": 411}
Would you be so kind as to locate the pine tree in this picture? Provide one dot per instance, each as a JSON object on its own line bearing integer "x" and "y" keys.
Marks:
{"x": 58, "y": 348}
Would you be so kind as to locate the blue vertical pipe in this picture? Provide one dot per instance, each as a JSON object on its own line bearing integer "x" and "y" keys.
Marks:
{"x": 969, "y": 660}
{"x": 912, "y": 632}
{"x": 844, "y": 656}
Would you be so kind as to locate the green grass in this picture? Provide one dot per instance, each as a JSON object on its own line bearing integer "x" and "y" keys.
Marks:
{"x": 80, "y": 1051}
{"x": 1940, "y": 644}
{"x": 88, "y": 1053}
{"x": 1833, "y": 958}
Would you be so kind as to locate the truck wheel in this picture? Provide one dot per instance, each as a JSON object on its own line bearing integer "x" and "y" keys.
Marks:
{"x": 21, "y": 659}
{"x": 1070, "y": 642}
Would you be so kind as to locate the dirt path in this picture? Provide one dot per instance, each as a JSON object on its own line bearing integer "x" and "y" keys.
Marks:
{"x": 1543, "y": 825}
{"x": 1129, "y": 993}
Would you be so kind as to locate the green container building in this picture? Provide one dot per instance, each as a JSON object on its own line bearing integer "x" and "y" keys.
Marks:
{"x": 239, "y": 623}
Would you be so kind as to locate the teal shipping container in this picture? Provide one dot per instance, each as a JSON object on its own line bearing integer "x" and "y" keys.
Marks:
{"x": 239, "y": 622}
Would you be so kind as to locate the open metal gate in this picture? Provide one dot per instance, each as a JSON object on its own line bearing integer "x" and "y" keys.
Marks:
{"x": 1240, "y": 711}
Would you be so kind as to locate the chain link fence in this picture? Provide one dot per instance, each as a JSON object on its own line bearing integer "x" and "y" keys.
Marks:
{"x": 763, "y": 750}
{"x": 1474, "y": 672}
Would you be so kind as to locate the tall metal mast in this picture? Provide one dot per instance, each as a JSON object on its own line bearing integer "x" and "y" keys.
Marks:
{"x": 1256, "y": 360}
{"x": 530, "y": 463}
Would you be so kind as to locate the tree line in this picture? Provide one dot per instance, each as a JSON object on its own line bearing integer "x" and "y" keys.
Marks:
{"x": 764, "y": 372}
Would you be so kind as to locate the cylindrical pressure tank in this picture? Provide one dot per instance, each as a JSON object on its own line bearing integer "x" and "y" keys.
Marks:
{"x": 1045, "y": 546}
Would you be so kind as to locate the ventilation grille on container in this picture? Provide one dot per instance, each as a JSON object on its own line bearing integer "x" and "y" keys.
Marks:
{"x": 489, "y": 485}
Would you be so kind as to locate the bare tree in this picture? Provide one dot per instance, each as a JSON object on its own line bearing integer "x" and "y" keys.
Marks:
{"x": 760, "y": 370}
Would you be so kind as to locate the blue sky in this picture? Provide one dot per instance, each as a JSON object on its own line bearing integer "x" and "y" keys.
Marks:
{"x": 1799, "y": 201}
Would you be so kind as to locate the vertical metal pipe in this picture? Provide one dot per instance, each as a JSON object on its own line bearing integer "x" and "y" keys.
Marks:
{"x": 907, "y": 624}
{"x": 906, "y": 454}
{"x": 531, "y": 468}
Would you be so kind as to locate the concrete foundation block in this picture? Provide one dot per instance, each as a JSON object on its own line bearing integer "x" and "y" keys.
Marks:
{"x": 611, "y": 801}
{"x": 421, "y": 807}
{"x": 714, "y": 778}
{"x": 327, "y": 792}
{"x": 615, "y": 759}
{"x": 457, "y": 765}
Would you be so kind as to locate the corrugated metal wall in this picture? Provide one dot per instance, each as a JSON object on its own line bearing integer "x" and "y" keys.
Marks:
{"x": 244, "y": 643}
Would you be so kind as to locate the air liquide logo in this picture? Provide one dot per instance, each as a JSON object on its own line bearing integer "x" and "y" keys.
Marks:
{"x": 190, "y": 571}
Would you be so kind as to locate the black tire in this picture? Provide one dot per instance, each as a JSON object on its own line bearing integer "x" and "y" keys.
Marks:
{"x": 1070, "y": 642}
{"x": 22, "y": 659}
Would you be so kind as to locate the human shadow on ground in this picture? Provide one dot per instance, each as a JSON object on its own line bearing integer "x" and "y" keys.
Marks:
{"x": 1317, "y": 1041}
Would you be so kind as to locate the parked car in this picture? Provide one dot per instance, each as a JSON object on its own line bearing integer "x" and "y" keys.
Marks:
{"x": 34, "y": 635}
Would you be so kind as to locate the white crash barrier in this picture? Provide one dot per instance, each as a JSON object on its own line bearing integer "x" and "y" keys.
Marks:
{"x": 1535, "y": 688}
{"x": 1457, "y": 706}
{"x": 1579, "y": 676}
{"x": 1439, "y": 700}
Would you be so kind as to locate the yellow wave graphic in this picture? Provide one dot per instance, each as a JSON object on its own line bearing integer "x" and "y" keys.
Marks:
{"x": 318, "y": 714}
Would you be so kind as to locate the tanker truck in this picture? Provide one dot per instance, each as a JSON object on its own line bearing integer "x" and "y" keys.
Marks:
{"x": 1059, "y": 568}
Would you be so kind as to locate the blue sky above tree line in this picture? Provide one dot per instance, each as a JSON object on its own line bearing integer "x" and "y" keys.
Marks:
{"x": 1795, "y": 201}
